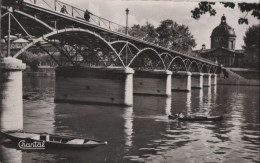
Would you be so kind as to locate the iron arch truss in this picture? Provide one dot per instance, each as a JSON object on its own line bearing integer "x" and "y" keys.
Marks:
{"x": 177, "y": 64}
{"x": 126, "y": 50}
{"x": 213, "y": 69}
{"x": 35, "y": 19}
{"x": 79, "y": 46}
{"x": 204, "y": 68}
{"x": 22, "y": 22}
{"x": 187, "y": 62}
{"x": 147, "y": 58}
{"x": 167, "y": 58}
{"x": 194, "y": 67}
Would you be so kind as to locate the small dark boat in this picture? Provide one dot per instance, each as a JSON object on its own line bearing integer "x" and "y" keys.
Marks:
{"x": 26, "y": 97}
{"x": 52, "y": 141}
{"x": 197, "y": 118}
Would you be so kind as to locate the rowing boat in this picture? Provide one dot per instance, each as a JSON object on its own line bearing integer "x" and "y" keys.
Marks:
{"x": 196, "y": 118}
{"x": 51, "y": 140}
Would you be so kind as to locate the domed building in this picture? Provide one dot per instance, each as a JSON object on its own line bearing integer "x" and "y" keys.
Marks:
{"x": 223, "y": 41}
{"x": 223, "y": 36}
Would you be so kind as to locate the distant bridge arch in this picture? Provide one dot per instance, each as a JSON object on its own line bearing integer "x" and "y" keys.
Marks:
{"x": 187, "y": 62}
{"x": 126, "y": 50}
{"x": 194, "y": 67}
{"x": 177, "y": 66}
{"x": 204, "y": 68}
{"x": 212, "y": 69}
{"x": 124, "y": 42}
{"x": 167, "y": 58}
{"x": 144, "y": 59}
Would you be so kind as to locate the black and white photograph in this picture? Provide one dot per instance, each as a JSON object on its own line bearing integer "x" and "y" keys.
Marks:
{"x": 129, "y": 81}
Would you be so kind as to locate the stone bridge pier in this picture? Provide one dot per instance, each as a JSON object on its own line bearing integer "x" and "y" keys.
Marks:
{"x": 213, "y": 79}
{"x": 181, "y": 81}
{"x": 11, "y": 96}
{"x": 94, "y": 85}
{"x": 206, "y": 80}
{"x": 152, "y": 82}
{"x": 197, "y": 80}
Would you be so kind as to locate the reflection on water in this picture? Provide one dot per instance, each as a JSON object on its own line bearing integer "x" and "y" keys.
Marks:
{"x": 143, "y": 133}
{"x": 128, "y": 116}
{"x": 188, "y": 103}
{"x": 11, "y": 103}
{"x": 200, "y": 98}
{"x": 206, "y": 101}
{"x": 168, "y": 106}
{"x": 10, "y": 153}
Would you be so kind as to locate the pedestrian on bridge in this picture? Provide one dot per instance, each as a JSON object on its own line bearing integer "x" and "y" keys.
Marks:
{"x": 219, "y": 70}
{"x": 64, "y": 10}
{"x": 87, "y": 15}
{"x": 225, "y": 73}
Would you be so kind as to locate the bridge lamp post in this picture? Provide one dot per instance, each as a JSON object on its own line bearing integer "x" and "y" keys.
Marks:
{"x": 127, "y": 12}
{"x": 0, "y": 28}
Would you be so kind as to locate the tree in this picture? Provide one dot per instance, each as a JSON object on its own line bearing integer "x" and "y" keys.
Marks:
{"x": 168, "y": 34}
{"x": 207, "y": 7}
{"x": 175, "y": 36}
{"x": 251, "y": 47}
{"x": 146, "y": 32}
{"x": 30, "y": 59}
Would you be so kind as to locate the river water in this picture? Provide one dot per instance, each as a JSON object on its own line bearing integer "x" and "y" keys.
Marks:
{"x": 143, "y": 133}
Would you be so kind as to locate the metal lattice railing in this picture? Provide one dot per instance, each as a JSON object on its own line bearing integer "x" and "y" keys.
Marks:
{"x": 75, "y": 12}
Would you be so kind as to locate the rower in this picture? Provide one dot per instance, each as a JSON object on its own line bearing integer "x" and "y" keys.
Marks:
{"x": 180, "y": 115}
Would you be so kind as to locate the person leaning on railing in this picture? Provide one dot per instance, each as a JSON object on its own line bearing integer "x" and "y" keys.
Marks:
{"x": 87, "y": 15}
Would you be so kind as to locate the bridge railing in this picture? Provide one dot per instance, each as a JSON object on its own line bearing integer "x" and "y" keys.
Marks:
{"x": 75, "y": 12}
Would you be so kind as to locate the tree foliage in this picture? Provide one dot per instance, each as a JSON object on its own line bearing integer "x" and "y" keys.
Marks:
{"x": 168, "y": 34}
{"x": 251, "y": 47}
{"x": 30, "y": 59}
{"x": 207, "y": 7}
{"x": 34, "y": 58}
{"x": 146, "y": 32}
{"x": 175, "y": 36}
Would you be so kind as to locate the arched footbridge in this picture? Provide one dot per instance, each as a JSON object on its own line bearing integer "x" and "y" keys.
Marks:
{"x": 98, "y": 42}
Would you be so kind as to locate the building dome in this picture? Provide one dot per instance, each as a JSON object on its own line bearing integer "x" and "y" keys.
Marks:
{"x": 223, "y": 29}
{"x": 223, "y": 36}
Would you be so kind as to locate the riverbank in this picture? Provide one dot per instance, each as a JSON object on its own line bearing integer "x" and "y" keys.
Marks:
{"x": 39, "y": 74}
{"x": 239, "y": 82}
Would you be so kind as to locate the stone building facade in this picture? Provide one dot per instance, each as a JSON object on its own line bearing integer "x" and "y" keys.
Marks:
{"x": 223, "y": 41}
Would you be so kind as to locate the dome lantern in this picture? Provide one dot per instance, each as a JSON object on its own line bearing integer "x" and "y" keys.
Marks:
{"x": 223, "y": 20}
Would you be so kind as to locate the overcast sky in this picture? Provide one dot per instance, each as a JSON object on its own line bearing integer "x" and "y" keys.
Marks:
{"x": 158, "y": 10}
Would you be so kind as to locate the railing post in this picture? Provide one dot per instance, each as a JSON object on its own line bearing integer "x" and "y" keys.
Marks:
{"x": 0, "y": 28}
{"x": 9, "y": 32}
{"x": 72, "y": 10}
{"x": 34, "y": 1}
{"x": 127, "y": 12}
{"x": 55, "y": 24}
{"x": 55, "y": 5}
{"x": 109, "y": 24}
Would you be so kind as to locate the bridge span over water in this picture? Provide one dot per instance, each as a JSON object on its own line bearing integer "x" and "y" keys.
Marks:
{"x": 98, "y": 61}
{"x": 41, "y": 20}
